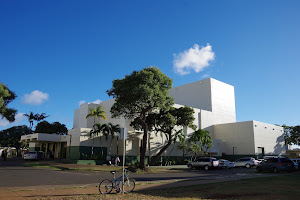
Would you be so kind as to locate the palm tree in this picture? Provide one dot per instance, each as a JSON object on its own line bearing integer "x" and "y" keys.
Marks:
{"x": 35, "y": 117}
{"x": 113, "y": 129}
{"x": 99, "y": 113}
{"x": 106, "y": 130}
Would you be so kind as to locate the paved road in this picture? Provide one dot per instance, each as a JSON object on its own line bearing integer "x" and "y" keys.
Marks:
{"x": 13, "y": 173}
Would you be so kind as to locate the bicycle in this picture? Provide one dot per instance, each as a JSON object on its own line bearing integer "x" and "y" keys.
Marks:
{"x": 106, "y": 186}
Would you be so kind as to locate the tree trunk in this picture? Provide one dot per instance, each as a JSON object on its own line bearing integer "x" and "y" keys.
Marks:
{"x": 144, "y": 147}
{"x": 155, "y": 158}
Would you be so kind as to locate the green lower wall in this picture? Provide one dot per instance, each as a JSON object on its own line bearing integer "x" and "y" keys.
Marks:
{"x": 83, "y": 156}
{"x": 84, "y": 153}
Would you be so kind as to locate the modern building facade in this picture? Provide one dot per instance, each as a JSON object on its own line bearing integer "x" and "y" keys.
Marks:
{"x": 214, "y": 105}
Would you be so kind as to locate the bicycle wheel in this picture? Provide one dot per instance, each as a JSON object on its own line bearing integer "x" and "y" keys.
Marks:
{"x": 129, "y": 185}
{"x": 106, "y": 186}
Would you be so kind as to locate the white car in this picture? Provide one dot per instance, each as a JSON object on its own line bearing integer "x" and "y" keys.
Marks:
{"x": 34, "y": 155}
{"x": 258, "y": 161}
{"x": 226, "y": 164}
{"x": 245, "y": 162}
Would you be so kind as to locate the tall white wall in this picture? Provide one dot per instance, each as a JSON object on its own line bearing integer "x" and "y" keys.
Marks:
{"x": 223, "y": 102}
{"x": 270, "y": 137}
{"x": 196, "y": 94}
{"x": 239, "y": 136}
{"x": 80, "y": 114}
{"x": 215, "y": 99}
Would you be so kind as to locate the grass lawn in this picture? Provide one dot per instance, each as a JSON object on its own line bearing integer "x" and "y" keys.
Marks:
{"x": 284, "y": 187}
{"x": 277, "y": 187}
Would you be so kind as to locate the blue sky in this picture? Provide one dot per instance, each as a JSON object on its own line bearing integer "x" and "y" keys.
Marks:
{"x": 64, "y": 52}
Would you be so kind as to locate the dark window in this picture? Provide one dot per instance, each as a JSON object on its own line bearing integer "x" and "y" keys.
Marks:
{"x": 273, "y": 160}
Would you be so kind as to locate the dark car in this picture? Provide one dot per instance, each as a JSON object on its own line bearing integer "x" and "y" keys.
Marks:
{"x": 276, "y": 165}
{"x": 204, "y": 162}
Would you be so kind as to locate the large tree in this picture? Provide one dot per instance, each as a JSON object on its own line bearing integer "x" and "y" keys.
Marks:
{"x": 170, "y": 122}
{"x": 53, "y": 128}
{"x": 6, "y": 96}
{"x": 138, "y": 94}
{"x": 291, "y": 134}
{"x": 11, "y": 137}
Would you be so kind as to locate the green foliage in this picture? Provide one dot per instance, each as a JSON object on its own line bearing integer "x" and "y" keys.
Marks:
{"x": 98, "y": 112}
{"x": 6, "y": 96}
{"x": 53, "y": 128}
{"x": 195, "y": 149}
{"x": 137, "y": 95}
{"x": 35, "y": 117}
{"x": 182, "y": 146}
{"x": 140, "y": 92}
{"x": 11, "y": 137}
{"x": 291, "y": 134}
{"x": 202, "y": 139}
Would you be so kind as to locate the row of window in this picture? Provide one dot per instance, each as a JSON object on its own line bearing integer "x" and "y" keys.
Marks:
{"x": 266, "y": 128}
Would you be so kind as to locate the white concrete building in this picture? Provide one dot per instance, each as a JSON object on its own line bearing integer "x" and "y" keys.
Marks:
{"x": 216, "y": 102}
{"x": 214, "y": 105}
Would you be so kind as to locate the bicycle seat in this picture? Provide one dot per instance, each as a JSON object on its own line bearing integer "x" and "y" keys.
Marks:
{"x": 113, "y": 172}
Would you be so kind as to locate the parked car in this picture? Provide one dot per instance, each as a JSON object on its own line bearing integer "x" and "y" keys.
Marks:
{"x": 276, "y": 164}
{"x": 296, "y": 164}
{"x": 34, "y": 155}
{"x": 256, "y": 162}
{"x": 226, "y": 164}
{"x": 204, "y": 162}
{"x": 245, "y": 162}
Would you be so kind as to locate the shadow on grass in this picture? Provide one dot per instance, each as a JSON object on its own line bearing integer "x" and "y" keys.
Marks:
{"x": 277, "y": 187}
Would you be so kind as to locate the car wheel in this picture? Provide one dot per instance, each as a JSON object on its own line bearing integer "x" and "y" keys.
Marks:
{"x": 275, "y": 170}
{"x": 206, "y": 167}
{"x": 258, "y": 169}
{"x": 248, "y": 165}
{"x": 190, "y": 167}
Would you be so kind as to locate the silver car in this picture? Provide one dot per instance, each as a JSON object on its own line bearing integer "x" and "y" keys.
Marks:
{"x": 204, "y": 162}
{"x": 245, "y": 162}
{"x": 34, "y": 155}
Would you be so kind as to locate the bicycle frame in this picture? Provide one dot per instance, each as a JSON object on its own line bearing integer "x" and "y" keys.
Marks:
{"x": 119, "y": 180}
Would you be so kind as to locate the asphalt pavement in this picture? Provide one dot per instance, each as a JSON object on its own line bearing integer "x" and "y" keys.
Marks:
{"x": 14, "y": 174}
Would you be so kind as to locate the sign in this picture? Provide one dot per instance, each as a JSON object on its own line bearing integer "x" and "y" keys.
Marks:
{"x": 124, "y": 132}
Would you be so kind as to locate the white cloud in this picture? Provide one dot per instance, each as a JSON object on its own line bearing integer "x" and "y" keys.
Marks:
{"x": 194, "y": 58}
{"x": 36, "y": 97}
{"x": 98, "y": 101}
{"x": 81, "y": 102}
{"x": 205, "y": 76}
{"x": 18, "y": 118}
